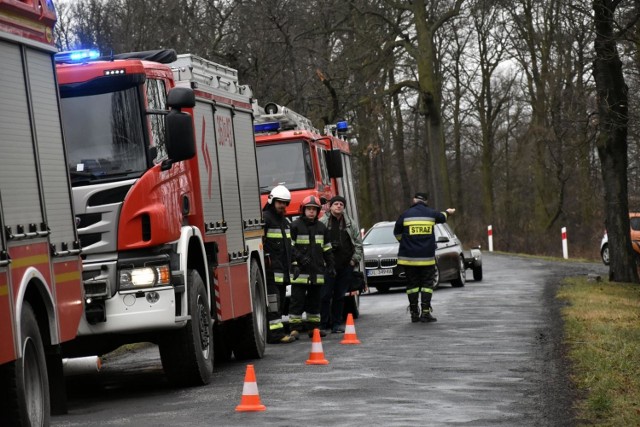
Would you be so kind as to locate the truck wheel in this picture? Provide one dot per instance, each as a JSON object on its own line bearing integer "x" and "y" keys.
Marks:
{"x": 187, "y": 353}
{"x": 459, "y": 281}
{"x": 24, "y": 386}
{"x": 251, "y": 330}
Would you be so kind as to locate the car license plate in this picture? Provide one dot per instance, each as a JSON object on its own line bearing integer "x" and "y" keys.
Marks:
{"x": 381, "y": 272}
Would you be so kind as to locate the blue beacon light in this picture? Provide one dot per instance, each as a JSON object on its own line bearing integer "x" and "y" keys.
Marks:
{"x": 77, "y": 56}
{"x": 342, "y": 126}
{"x": 266, "y": 127}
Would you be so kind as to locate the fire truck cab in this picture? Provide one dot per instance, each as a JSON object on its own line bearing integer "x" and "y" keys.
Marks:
{"x": 292, "y": 152}
{"x": 171, "y": 229}
{"x": 40, "y": 267}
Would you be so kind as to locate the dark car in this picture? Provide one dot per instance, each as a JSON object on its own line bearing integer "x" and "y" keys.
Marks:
{"x": 381, "y": 258}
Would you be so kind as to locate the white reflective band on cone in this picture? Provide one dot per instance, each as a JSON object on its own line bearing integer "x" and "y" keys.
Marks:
{"x": 250, "y": 389}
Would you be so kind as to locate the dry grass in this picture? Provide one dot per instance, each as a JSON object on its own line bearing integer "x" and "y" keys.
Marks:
{"x": 602, "y": 329}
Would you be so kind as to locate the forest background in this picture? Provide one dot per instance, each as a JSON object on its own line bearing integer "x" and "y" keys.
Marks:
{"x": 489, "y": 105}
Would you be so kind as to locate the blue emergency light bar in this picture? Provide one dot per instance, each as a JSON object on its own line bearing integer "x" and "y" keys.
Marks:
{"x": 266, "y": 127}
{"x": 342, "y": 126}
{"x": 82, "y": 55}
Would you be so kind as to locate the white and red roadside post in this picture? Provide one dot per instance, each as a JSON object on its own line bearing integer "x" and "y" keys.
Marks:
{"x": 490, "y": 237}
{"x": 565, "y": 248}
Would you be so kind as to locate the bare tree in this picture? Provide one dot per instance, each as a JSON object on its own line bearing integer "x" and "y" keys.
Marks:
{"x": 613, "y": 112}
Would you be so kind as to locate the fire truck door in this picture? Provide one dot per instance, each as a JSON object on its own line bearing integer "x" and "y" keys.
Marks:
{"x": 229, "y": 181}
{"x": 208, "y": 163}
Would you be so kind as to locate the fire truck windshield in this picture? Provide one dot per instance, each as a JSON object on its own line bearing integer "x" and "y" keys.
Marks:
{"x": 288, "y": 163}
{"x": 104, "y": 135}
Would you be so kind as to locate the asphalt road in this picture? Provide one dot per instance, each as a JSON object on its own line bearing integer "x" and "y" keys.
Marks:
{"x": 494, "y": 358}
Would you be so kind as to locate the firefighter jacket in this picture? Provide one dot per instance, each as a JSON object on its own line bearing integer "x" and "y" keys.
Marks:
{"x": 352, "y": 229}
{"x": 311, "y": 251}
{"x": 277, "y": 245}
{"x": 414, "y": 231}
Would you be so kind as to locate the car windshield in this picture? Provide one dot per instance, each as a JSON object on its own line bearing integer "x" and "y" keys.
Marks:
{"x": 104, "y": 135}
{"x": 380, "y": 236}
{"x": 288, "y": 163}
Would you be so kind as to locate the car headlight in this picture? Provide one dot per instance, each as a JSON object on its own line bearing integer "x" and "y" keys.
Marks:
{"x": 145, "y": 277}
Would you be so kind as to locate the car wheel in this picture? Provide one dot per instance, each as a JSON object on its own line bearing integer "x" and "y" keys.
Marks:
{"x": 436, "y": 277}
{"x": 477, "y": 273}
{"x": 383, "y": 289}
{"x": 605, "y": 254}
{"x": 459, "y": 281}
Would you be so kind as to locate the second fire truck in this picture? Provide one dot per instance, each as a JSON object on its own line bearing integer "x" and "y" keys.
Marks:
{"x": 291, "y": 151}
{"x": 170, "y": 227}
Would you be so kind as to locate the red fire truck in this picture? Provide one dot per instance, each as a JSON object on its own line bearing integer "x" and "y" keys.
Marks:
{"x": 291, "y": 151}
{"x": 40, "y": 266}
{"x": 171, "y": 228}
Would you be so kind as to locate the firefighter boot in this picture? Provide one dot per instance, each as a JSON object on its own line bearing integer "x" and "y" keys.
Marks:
{"x": 295, "y": 334}
{"x": 415, "y": 313}
{"x": 413, "y": 307}
{"x": 426, "y": 316}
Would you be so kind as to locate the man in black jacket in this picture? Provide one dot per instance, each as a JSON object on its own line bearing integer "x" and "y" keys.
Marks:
{"x": 277, "y": 250}
{"x": 417, "y": 253}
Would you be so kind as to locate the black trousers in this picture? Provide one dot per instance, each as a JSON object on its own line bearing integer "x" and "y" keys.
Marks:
{"x": 304, "y": 298}
{"x": 276, "y": 293}
{"x": 333, "y": 292}
{"x": 420, "y": 284}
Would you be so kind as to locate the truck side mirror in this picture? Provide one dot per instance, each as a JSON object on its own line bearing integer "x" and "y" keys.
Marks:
{"x": 334, "y": 163}
{"x": 180, "y": 138}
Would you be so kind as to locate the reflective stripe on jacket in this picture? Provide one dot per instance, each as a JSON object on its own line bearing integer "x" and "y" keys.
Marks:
{"x": 311, "y": 239}
{"x": 277, "y": 245}
{"x": 414, "y": 231}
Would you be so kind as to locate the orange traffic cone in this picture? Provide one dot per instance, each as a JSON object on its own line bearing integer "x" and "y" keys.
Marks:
{"x": 350, "y": 332}
{"x": 250, "y": 398}
{"x": 316, "y": 357}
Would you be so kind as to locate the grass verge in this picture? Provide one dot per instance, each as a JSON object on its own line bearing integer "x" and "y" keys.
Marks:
{"x": 602, "y": 330}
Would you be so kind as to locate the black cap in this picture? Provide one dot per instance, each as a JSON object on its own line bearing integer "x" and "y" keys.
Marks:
{"x": 337, "y": 199}
{"x": 421, "y": 196}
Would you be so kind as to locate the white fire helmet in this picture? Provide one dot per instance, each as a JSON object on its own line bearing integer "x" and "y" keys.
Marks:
{"x": 281, "y": 193}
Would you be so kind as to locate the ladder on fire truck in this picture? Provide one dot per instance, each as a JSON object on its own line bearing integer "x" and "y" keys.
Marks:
{"x": 274, "y": 117}
{"x": 206, "y": 75}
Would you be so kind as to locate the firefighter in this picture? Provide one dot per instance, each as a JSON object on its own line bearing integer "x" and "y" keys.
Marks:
{"x": 312, "y": 260}
{"x": 414, "y": 231}
{"x": 277, "y": 249}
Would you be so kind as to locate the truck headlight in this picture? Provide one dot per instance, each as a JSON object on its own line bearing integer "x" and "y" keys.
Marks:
{"x": 145, "y": 277}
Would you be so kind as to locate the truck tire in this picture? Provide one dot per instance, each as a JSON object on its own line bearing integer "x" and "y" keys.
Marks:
{"x": 187, "y": 353}
{"x": 251, "y": 330}
{"x": 24, "y": 385}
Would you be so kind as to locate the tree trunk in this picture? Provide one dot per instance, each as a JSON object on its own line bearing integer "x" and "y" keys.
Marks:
{"x": 612, "y": 142}
{"x": 429, "y": 87}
